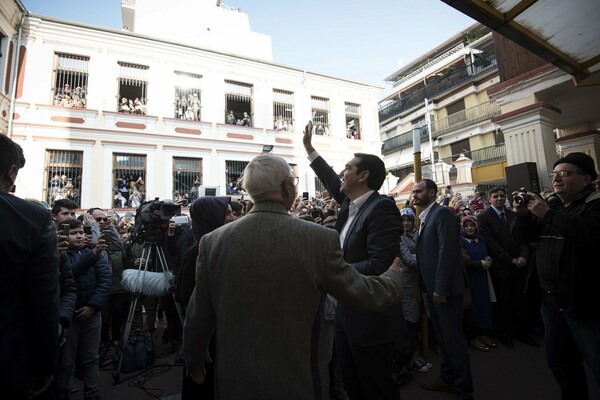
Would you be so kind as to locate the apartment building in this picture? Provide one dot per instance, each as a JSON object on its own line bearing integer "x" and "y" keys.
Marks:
{"x": 102, "y": 111}
{"x": 460, "y": 145}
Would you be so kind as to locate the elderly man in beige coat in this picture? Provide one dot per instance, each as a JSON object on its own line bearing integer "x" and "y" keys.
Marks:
{"x": 260, "y": 288}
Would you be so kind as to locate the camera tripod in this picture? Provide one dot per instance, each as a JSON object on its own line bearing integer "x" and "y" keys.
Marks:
{"x": 150, "y": 248}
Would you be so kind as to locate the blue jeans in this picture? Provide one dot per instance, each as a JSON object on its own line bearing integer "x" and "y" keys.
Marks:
{"x": 569, "y": 341}
{"x": 83, "y": 341}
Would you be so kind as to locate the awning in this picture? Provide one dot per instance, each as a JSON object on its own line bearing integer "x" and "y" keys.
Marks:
{"x": 565, "y": 33}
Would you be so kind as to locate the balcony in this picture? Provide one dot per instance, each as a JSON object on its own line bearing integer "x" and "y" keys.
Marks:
{"x": 486, "y": 155}
{"x": 401, "y": 141}
{"x": 451, "y": 78}
{"x": 465, "y": 118}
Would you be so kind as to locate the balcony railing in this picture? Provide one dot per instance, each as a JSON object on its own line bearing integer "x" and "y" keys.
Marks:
{"x": 448, "y": 79}
{"x": 483, "y": 156}
{"x": 468, "y": 117}
{"x": 401, "y": 141}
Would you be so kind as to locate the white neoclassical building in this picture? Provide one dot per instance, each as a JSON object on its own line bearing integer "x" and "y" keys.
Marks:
{"x": 159, "y": 110}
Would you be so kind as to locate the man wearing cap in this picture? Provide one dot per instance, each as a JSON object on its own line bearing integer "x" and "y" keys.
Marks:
{"x": 567, "y": 234}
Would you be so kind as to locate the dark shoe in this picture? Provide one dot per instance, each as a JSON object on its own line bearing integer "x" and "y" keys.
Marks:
{"x": 488, "y": 341}
{"x": 527, "y": 340}
{"x": 438, "y": 385}
{"x": 478, "y": 344}
{"x": 507, "y": 341}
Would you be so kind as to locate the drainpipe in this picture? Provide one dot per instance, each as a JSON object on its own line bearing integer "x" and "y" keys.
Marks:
{"x": 13, "y": 90}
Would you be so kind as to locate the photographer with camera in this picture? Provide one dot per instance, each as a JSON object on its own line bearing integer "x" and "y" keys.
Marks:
{"x": 567, "y": 234}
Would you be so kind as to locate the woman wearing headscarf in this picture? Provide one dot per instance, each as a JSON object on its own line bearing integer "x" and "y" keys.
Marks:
{"x": 411, "y": 295}
{"x": 207, "y": 213}
{"x": 478, "y": 318}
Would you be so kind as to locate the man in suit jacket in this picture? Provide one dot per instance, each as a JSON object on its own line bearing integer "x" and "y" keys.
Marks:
{"x": 28, "y": 286}
{"x": 508, "y": 271}
{"x": 442, "y": 267}
{"x": 370, "y": 229}
{"x": 261, "y": 283}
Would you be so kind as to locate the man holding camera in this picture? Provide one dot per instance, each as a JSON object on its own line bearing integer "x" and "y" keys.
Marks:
{"x": 567, "y": 234}
{"x": 508, "y": 271}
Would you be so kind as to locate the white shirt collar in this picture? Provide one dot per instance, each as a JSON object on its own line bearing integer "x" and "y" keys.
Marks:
{"x": 360, "y": 200}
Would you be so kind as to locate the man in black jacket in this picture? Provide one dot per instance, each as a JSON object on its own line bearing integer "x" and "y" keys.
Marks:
{"x": 508, "y": 271}
{"x": 28, "y": 286}
{"x": 370, "y": 229}
{"x": 567, "y": 234}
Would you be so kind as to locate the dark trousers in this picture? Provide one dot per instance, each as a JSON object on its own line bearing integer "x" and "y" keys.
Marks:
{"x": 569, "y": 341}
{"x": 511, "y": 308}
{"x": 447, "y": 319}
{"x": 366, "y": 370}
{"x": 114, "y": 315}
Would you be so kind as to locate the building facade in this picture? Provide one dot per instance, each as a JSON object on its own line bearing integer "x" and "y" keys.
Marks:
{"x": 104, "y": 113}
{"x": 449, "y": 86}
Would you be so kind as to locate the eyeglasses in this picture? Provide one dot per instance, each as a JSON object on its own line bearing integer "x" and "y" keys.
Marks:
{"x": 562, "y": 174}
{"x": 100, "y": 219}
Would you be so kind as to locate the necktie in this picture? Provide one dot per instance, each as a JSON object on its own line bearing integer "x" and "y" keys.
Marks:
{"x": 503, "y": 218}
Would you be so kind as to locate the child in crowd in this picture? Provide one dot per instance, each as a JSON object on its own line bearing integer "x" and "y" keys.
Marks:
{"x": 93, "y": 281}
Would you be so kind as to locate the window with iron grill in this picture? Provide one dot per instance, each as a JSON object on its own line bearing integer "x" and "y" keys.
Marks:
{"x": 233, "y": 173}
{"x": 283, "y": 110}
{"x": 129, "y": 177}
{"x": 63, "y": 176}
{"x": 320, "y": 115}
{"x": 133, "y": 88}
{"x": 187, "y": 178}
{"x": 70, "y": 80}
{"x": 353, "y": 128}
{"x": 187, "y": 96}
{"x": 238, "y": 103}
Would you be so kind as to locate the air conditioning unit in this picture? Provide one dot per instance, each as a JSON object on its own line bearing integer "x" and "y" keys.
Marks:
{"x": 208, "y": 191}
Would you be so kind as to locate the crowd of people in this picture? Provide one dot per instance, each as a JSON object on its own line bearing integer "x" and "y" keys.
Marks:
{"x": 129, "y": 192}
{"x": 135, "y": 106}
{"x": 232, "y": 119}
{"x": 71, "y": 98}
{"x": 187, "y": 108}
{"x": 62, "y": 187}
{"x": 263, "y": 317}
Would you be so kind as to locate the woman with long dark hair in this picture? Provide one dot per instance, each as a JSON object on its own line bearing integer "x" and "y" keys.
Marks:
{"x": 207, "y": 213}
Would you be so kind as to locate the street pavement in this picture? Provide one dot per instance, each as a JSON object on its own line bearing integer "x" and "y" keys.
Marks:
{"x": 502, "y": 374}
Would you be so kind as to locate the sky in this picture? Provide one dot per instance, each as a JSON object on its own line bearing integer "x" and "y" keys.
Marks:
{"x": 359, "y": 40}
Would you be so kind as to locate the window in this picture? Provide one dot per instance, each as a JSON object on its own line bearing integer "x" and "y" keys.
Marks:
{"x": 129, "y": 176}
{"x": 233, "y": 172}
{"x": 283, "y": 110}
{"x": 63, "y": 176}
{"x": 187, "y": 96}
{"x": 238, "y": 103}
{"x": 70, "y": 81}
{"x": 187, "y": 178}
{"x": 133, "y": 88}
{"x": 353, "y": 128}
{"x": 320, "y": 115}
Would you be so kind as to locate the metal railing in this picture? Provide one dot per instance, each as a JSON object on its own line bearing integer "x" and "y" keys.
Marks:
{"x": 468, "y": 117}
{"x": 402, "y": 140}
{"x": 483, "y": 156}
{"x": 448, "y": 79}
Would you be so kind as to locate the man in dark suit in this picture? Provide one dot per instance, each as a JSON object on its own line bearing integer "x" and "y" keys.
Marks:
{"x": 442, "y": 267}
{"x": 508, "y": 271}
{"x": 28, "y": 286}
{"x": 370, "y": 230}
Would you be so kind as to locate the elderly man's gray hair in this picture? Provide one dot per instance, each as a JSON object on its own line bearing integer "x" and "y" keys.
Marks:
{"x": 263, "y": 176}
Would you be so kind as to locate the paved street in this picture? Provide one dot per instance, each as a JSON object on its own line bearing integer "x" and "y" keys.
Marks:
{"x": 503, "y": 374}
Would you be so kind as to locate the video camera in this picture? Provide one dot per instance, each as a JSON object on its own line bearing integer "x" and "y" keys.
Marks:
{"x": 152, "y": 217}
